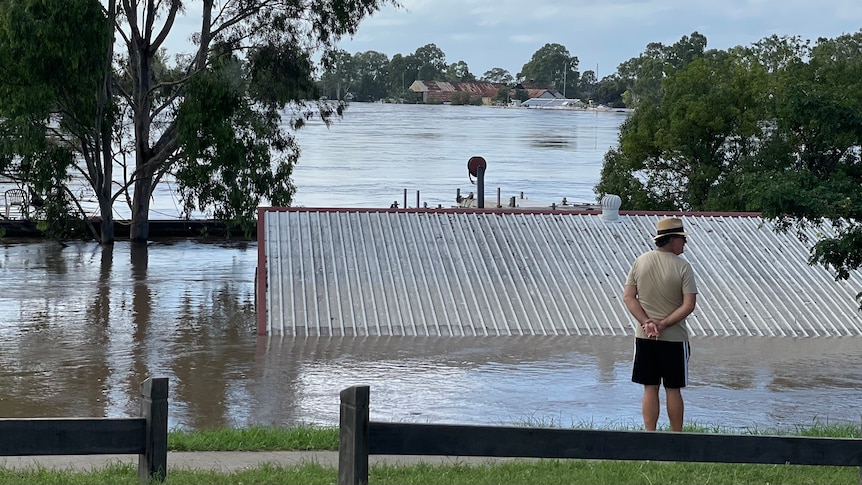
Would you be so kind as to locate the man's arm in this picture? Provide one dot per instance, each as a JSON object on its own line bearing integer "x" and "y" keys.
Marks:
{"x": 689, "y": 301}
{"x": 630, "y": 298}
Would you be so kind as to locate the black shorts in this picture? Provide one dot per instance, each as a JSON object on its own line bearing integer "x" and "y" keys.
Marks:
{"x": 658, "y": 362}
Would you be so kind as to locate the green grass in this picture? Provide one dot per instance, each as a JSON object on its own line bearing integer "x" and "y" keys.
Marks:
{"x": 556, "y": 472}
{"x": 257, "y": 438}
{"x": 267, "y": 438}
{"x": 535, "y": 472}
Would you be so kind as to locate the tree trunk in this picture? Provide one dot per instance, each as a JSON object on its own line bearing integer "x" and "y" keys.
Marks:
{"x": 140, "y": 228}
{"x": 104, "y": 177}
{"x": 107, "y": 225}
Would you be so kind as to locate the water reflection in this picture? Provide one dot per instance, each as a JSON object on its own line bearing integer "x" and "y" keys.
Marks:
{"x": 82, "y": 325}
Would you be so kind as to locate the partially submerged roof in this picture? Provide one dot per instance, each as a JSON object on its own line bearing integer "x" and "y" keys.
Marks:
{"x": 467, "y": 272}
{"x": 446, "y": 88}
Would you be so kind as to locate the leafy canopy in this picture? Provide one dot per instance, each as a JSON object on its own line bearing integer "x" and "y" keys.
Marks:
{"x": 776, "y": 128}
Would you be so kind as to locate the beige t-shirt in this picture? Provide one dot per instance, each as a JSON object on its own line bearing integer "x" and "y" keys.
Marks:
{"x": 662, "y": 278}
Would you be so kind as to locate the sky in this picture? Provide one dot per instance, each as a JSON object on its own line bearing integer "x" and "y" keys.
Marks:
{"x": 600, "y": 33}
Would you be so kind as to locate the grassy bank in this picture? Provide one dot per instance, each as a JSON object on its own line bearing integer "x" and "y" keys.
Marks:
{"x": 509, "y": 472}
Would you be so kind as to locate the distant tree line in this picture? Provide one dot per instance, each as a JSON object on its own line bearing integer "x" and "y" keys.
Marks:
{"x": 373, "y": 76}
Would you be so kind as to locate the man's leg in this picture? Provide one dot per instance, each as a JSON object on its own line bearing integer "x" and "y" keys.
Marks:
{"x": 650, "y": 407}
{"x": 675, "y": 408}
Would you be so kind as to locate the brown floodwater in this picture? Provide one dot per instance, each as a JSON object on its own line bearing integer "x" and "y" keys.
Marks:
{"x": 82, "y": 325}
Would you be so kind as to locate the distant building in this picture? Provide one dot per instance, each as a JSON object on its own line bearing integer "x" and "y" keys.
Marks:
{"x": 534, "y": 91}
{"x": 444, "y": 92}
{"x": 553, "y": 103}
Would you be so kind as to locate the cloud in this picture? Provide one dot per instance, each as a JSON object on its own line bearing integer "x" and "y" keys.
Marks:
{"x": 506, "y": 33}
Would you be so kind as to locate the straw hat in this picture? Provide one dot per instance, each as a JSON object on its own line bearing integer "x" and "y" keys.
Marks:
{"x": 669, "y": 227}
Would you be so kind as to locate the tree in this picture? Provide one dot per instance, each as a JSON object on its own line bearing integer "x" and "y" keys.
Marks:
{"x": 497, "y": 75}
{"x": 609, "y": 91}
{"x": 587, "y": 84}
{"x": 55, "y": 100}
{"x": 459, "y": 72}
{"x": 685, "y": 153}
{"x": 431, "y": 62}
{"x": 403, "y": 70}
{"x": 776, "y": 53}
{"x": 373, "y": 70}
{"x": 250, "y": 58}
{"x": 775, "y": 128}
{"x": 809, "y": 169}
{"x": 644, "y": 74}
{"x": 340, "y": 74}
{"x": 552, "y": 66}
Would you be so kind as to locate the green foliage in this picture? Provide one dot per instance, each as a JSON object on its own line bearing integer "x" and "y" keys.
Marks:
{"x": 279, "y": 75}
{"x": 685, "y": 151}
{"x": 371, "y": 76}
{"x": 501, "y": 97}
{"x": 402, "y": 72}
{"x": 431, "y": 62}
{"x": 609, "y": 91}
{"x": 552, "y": 67}
{"x": 774, "y": 128}
{"x": 69, "y": 105}
{"x": 218, "y": 126}
{"x": 643, "y": 75}
{"x": 43, "y": 45}
{"x": 52, "y": 61}
{"x": 373, "y": 72}
{"x": 497, "y": 75}
{"x": 809, "y": 167}
{"x": 459, "y": 72}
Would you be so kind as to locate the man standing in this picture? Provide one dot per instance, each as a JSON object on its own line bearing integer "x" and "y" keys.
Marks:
{"x": 660, "y": 291}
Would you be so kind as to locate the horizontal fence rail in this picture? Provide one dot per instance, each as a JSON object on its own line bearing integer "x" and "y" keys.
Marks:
{"x": 360, "y": 438}
{"x": 146, "y": 436}
{"x": 72, "y": 436}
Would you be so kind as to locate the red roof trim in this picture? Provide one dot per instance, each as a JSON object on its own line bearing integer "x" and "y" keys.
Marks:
{"x": 506, "y": 211}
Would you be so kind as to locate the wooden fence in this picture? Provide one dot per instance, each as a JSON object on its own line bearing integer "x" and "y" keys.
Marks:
{"x": 360, "y": 438}
{"x": 146, "y": 436}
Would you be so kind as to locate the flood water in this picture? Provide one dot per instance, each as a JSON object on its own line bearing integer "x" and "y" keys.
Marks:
{"x": 368, "y": 157}
{"x": 81, "y": 325}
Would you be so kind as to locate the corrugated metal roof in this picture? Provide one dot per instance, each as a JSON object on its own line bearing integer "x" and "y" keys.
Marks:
{"x": 478, "y": 87}
{"x": 451, "y": 272}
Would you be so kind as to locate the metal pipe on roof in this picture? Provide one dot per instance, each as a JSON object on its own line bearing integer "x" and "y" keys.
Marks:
{"x": 480, "y": 185}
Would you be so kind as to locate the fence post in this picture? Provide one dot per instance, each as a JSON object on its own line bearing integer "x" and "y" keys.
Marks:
{"x": 153, "y": 464}
{"x": 353, "y": 436}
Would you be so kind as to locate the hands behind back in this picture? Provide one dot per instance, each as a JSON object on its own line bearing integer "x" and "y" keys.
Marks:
{"x": 651, "y": 328}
